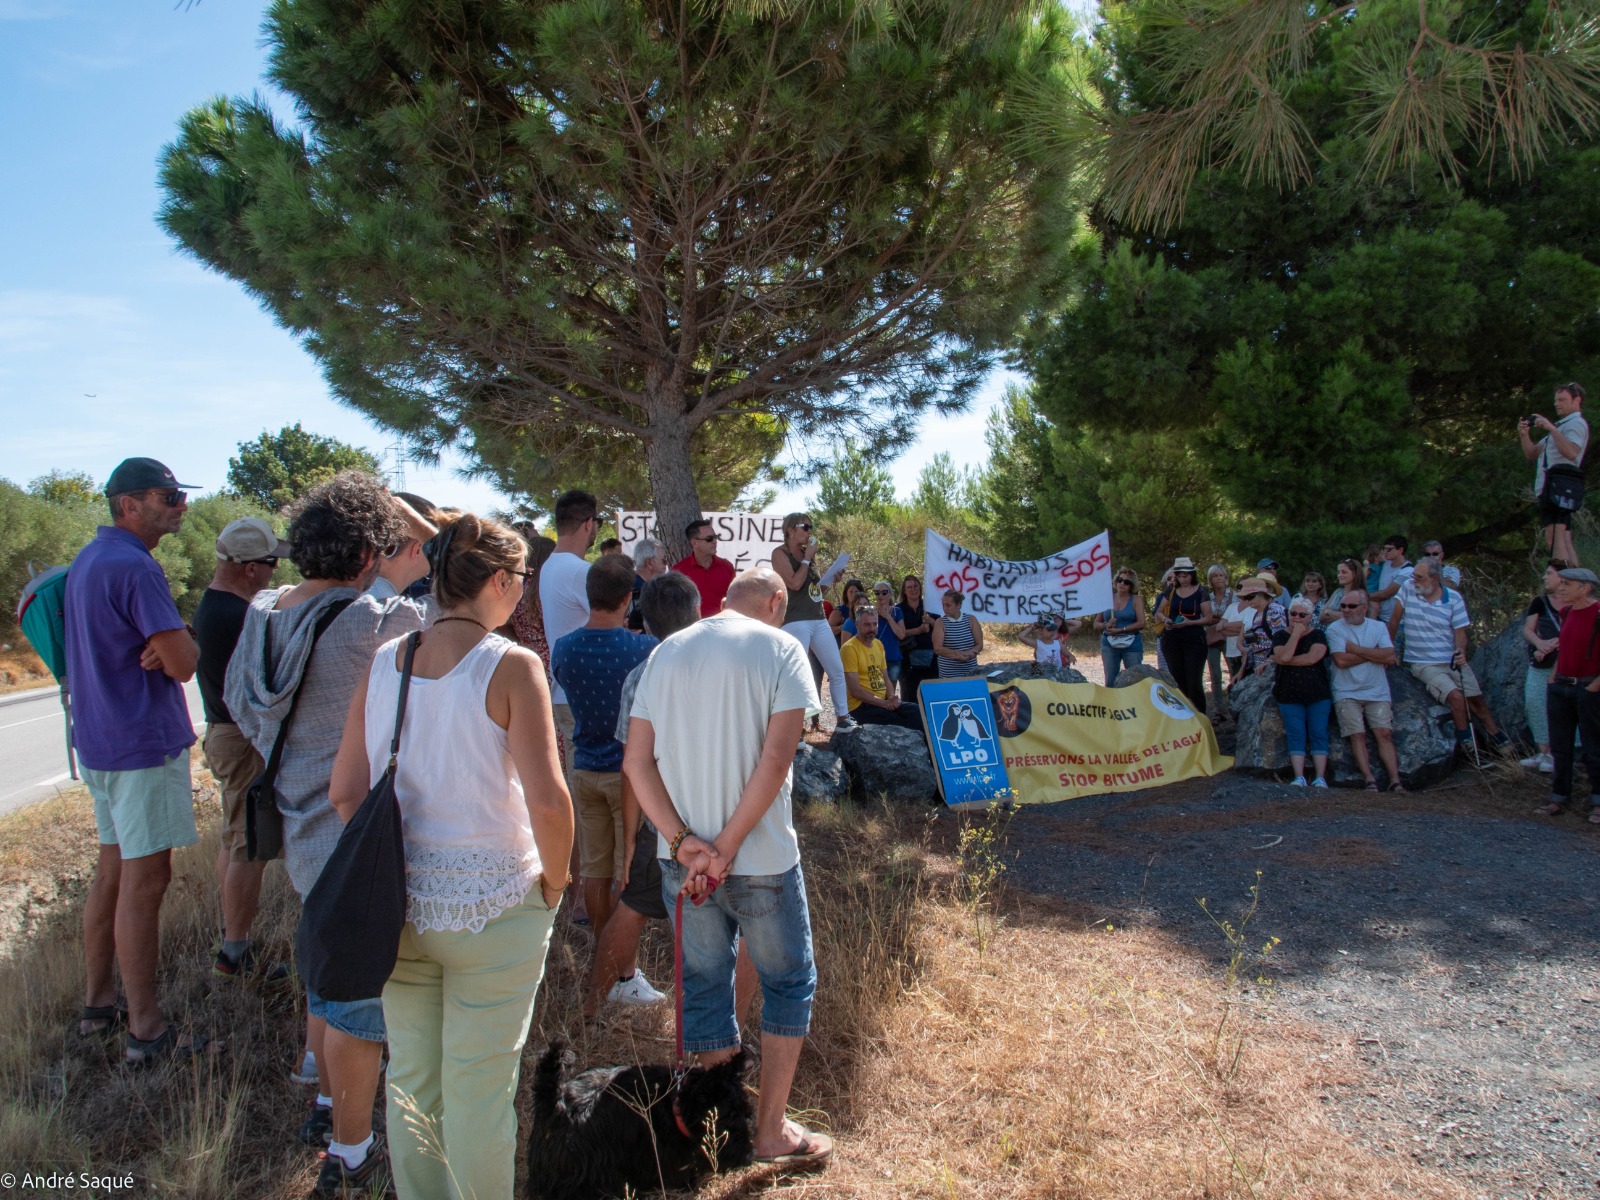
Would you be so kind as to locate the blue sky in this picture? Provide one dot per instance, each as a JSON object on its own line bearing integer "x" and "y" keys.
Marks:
{"x": 111, "y": 342}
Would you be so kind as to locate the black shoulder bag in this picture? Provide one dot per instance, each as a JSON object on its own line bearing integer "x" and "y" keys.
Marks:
{"x": 1551, "y": 618}
{"x": 263, "y": 821}
{"x": 349, "y": 933}
{"x": 1564, "y": 482}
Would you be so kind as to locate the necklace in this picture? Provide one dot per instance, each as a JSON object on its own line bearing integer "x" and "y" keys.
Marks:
{"x": 471, "y": 620}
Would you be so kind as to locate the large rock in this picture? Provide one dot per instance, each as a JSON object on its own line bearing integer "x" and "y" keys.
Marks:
{"x": 1424, "y": 737}
{"x": 819, "y": 776}
{"x": 887, "y": 761}
{"x": 1005, "y": 672}
{"x": 1129, "y": 676}
{"x": 1501, "y": 665}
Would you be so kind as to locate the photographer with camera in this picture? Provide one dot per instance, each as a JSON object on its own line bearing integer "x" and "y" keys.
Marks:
{"x": 1558, "y": 482}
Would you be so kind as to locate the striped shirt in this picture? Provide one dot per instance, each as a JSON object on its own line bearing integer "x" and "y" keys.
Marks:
{"x": 1428, "y": 627}
{"x": 957, "y": 636}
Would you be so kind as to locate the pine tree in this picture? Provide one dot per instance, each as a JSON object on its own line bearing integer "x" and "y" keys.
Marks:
{"x": 607, "y": 223}
{"x": 1347, "y": 356}
{"x": 855, "y": 483}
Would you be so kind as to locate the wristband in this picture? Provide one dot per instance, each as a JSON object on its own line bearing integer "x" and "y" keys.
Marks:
{"x": 545, "y": 879}
{"x": 677, "y": 843}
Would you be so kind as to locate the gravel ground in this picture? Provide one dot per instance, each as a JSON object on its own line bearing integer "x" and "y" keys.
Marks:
{"x": 1454, "y": 940}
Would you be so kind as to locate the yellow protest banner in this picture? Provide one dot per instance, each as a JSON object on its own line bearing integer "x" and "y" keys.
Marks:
{"x": 1061, "y": 741}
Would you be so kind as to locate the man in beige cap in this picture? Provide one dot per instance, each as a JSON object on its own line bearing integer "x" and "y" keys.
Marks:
{"x": 247, "y": 554}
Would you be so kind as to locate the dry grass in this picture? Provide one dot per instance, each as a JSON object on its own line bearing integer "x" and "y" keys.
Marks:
{"x": 21, "y": 668}
{"x": 1063, "y": 1060}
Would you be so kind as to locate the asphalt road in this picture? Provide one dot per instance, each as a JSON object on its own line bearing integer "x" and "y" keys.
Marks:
{"x": 33, "y": 752}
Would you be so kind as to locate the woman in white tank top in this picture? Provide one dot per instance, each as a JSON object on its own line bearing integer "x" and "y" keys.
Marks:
{"x": 483, "y": 806}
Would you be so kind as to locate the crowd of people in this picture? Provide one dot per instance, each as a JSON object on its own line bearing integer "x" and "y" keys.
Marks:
{"x": 628, "y": 724}
{"x": 621, "y": 723}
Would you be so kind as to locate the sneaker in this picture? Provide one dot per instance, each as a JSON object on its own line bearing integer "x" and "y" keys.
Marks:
{"x": 1474, "y": 757}
{"x": 1298, "y": 781}
{"x": 307, "y": 1071}
{"x": 248, "y": 967}
{"x": 1547, "y": 764}
{"x": 635, "y": 991}
{"x": 370, "y": 1178}
{"x": 1532, "y": 762}
{"x": 847, "y": 722}
{"x": 1320, "y": 782}
{"x": 316, "y": 1130}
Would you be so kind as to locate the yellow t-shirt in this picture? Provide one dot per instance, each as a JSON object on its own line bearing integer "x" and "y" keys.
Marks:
{"x": 867, "y": 663}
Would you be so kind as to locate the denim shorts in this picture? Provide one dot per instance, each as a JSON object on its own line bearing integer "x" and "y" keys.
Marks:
{"x": 359, "y": 1018}
{"x": 769, "y": 912}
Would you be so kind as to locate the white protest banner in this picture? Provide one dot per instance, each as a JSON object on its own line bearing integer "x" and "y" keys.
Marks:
{"x": 744, "y": 539}
{"x": 1071, "y": 582}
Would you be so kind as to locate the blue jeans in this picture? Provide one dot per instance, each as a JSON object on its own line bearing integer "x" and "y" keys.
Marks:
{"x": 770, "y": 913}
{"x": 1113, "y": 659}
{"x": 1303, "y": 721}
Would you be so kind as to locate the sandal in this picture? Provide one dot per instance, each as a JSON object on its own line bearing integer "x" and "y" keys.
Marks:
{"x": 1594, "y": 816}
{"x": 814, "y": 1151}
{"x": 1372, "y": 786}
{"x": 165, "y": 1047}
{"x": 106, "y": 1018}
{"x": 1550, "y": 810}
{"x": 1397, "y": 787}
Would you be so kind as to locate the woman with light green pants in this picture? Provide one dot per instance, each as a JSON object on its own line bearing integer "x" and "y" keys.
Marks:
{"x": 483, "y": 804}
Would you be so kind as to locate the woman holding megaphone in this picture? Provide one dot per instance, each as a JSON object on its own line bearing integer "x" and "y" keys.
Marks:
{"x": 794, "y": 561}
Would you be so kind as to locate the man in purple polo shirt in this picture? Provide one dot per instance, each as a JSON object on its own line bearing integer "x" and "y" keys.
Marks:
{"x": 128, "y": 657}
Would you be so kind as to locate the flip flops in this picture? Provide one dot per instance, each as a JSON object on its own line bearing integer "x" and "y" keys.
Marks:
{"x": 164, "y": 1047}
{"x": 813, "y": 1152}
{"x": 107, "y": 1018}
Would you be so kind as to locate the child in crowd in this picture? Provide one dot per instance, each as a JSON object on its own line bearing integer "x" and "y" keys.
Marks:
{"x": 1374, "y": 575}
{"x": 1045, "y": 636}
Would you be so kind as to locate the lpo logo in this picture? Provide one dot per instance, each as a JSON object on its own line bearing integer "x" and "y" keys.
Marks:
{"x": 963, "y": 733}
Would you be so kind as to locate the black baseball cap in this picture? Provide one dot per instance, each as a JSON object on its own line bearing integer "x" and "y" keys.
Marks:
{"x": 137, "y": 474}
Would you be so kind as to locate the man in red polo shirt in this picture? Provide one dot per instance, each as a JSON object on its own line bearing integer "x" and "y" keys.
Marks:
{"x": 1574, "y": 690}
{"x": 711, "y": 574}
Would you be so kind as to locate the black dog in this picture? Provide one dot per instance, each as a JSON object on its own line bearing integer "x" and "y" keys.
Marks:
{"x": 634, "y": 1127}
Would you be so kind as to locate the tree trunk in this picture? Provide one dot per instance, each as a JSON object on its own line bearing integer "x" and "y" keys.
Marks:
{"x": 677, "y": 500}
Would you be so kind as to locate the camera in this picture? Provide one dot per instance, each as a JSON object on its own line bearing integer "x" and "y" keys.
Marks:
{"x": 1045, "y": 621}
{"x": 1531, "y": 421}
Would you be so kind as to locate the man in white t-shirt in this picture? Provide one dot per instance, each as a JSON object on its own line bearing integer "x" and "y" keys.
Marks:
{"x": 1393, "y": 575}
{"x": 716, "y": 719}
{"x": 1361, "y": 651}
{"x": 1561, "y": 451}
{"x": 563, "y": 588}
{"x": 1236, "y": 618}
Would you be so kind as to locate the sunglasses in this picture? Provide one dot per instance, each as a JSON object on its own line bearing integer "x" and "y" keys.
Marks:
{"x": 882, "y": 592}
{"x": 526, "y": 576}
{"x": 710, "y": 537}
{"x": 170, "y": 499}
{"x": 1353, "y": 607}
{"x": 804, "y": 525}
{"x": 270, "y": 560}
